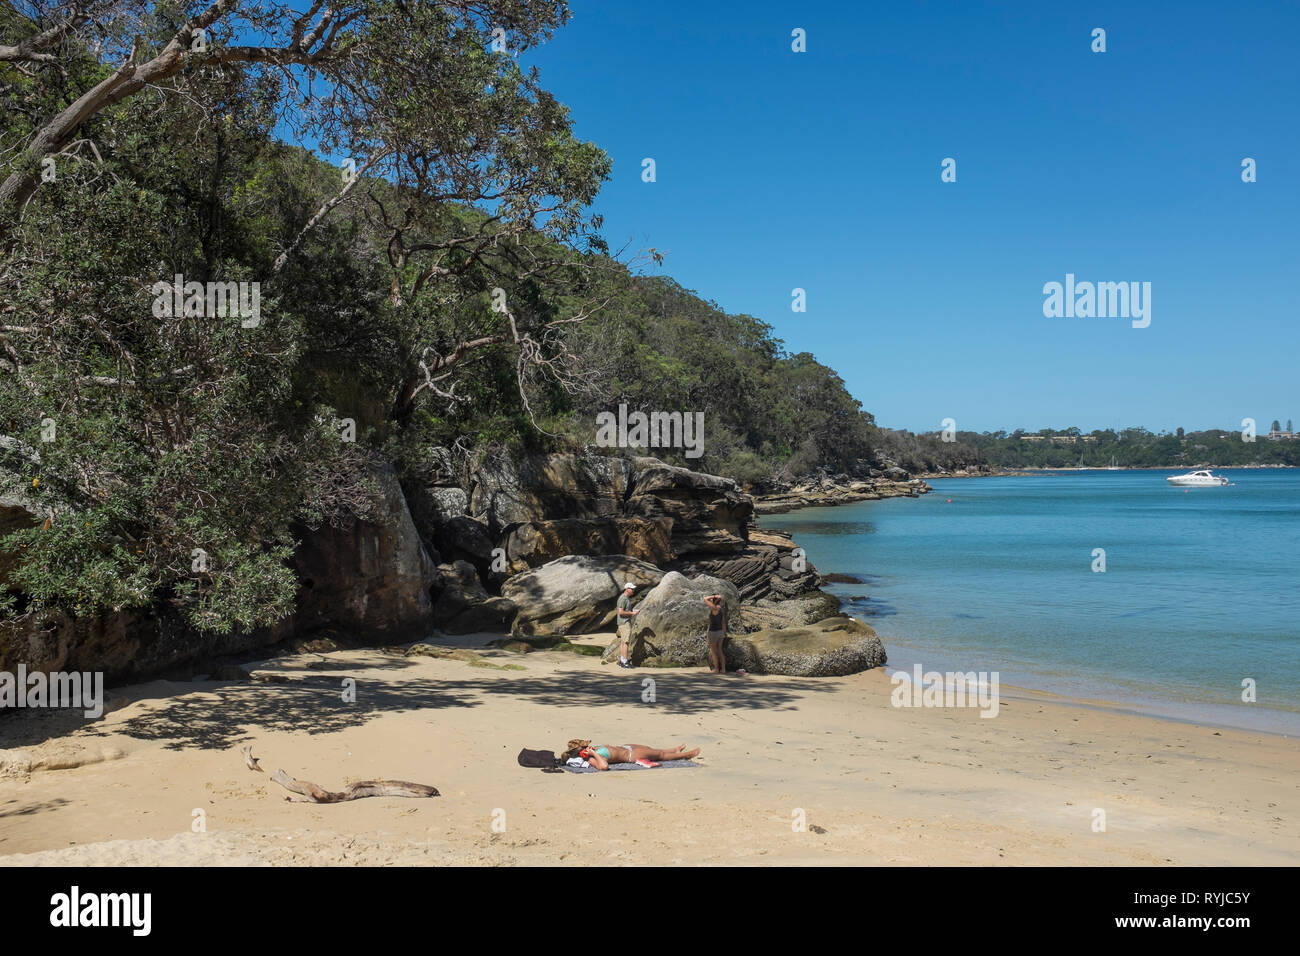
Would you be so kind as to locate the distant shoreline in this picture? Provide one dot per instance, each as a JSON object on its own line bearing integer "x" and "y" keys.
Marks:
{"x": 1021, "y": 472}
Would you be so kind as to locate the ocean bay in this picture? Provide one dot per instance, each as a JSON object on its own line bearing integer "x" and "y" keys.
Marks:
{"x": 1199, "y": 591}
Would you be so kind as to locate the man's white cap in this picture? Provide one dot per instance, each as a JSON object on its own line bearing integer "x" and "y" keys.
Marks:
{"x": 629, "y": 585}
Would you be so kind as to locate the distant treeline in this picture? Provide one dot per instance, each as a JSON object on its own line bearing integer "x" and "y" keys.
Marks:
{"x": 1128, "y": 448}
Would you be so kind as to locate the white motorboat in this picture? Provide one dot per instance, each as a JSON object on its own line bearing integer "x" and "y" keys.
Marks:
{"x": 1197, "y": 479}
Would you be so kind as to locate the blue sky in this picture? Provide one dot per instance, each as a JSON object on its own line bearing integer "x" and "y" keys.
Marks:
{"x": 821, "y": 170}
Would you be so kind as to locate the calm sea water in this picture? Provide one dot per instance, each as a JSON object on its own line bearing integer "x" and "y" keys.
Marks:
{"x": 1201, "y": 587}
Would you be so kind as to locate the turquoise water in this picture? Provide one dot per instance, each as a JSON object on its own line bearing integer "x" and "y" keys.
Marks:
{"x": 1201, "y": 587}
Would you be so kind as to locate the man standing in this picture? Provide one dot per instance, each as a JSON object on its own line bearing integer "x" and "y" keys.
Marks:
{"x": 717, "y": 633}
{"x": 625, "y": 614}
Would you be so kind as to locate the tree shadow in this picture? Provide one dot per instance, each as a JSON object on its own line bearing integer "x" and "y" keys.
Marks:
{"x": 315, "y": 704}
{"x": 8, "y": 808}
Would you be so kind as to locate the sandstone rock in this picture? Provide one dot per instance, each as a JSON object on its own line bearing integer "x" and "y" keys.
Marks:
{"x": 463, "y": 537}
{"x": 128, "y": 644}
{"x": 710, "y": 514}
{"x": 471, "y": 658}
{"x": 786, "y": 582}
{"x": 750, "y": 571}
{"x": 435, "y": 505}
{"x": 829, "y": 648}
{"x": 456, "y": 587}
{"x": 574, "y": 594}
{"x": 514, "y": 647}
{"x": 547, "y": 488}
{"x": 448, "y": 653}
{"x": 369, "y": 578}
{"x": 836, "y": 578}
{"x": 537, "y": 542}
{"x": 779, "y": 540}
{"x": 15, "y": 763}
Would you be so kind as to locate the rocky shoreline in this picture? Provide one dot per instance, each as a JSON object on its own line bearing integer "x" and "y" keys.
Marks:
{"x": 832, "y": 492}
{"x": 537, "y": 548}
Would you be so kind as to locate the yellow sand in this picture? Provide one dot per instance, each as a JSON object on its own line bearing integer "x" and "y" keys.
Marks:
{"x": 874, "y": 784}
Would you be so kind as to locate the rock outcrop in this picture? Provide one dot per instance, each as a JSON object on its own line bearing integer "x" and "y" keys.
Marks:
{"x": 371, "y": 578}
{"x": 535, "y": 543}
{"x": 556, "y": 535}
{"x": 574, "y": 594}
{"x": 124, "y": 645}
{"x": 463, "y": 606}
{"x": 895, "y": 483}
{"x": 709, "y": 514}
{"x": 830, "y": 648}
{"x": 17, "y": 512}
{"x": 548, "y": 488}
{"x": 771, "y": 567}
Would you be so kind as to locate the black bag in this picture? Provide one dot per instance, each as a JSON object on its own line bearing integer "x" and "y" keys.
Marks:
{"x": 545, "y": 759}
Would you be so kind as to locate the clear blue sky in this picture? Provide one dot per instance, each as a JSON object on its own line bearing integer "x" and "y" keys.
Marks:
{"x": 821, "y": 170}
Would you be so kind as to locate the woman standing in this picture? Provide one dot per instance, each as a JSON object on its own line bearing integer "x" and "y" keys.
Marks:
{"x": 717, "y": 633}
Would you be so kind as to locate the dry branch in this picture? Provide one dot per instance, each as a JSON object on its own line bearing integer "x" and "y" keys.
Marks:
{"x": 310, "y": 793}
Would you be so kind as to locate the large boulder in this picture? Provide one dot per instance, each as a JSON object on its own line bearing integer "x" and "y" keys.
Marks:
{"x": 465, "y": 539}
{"x": 574, "y": 594}
{"x": 432, "y": 505}
{"x": 455, "y": 587}
{"x": 829, "y": 648}
{"x": 463, "y": 606}
{"x": 370, "y": 577}
{"x": 673, "y": 619}
{"x": 537, "y": 542}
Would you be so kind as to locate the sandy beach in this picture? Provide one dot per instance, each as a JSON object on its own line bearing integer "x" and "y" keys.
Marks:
{"x": 875, "y": 784}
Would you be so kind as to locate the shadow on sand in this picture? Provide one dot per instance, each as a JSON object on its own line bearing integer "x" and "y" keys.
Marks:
{"x": 314, "y": 702}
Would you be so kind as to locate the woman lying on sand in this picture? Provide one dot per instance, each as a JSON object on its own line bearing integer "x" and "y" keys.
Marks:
{"x": 602, "y": 756}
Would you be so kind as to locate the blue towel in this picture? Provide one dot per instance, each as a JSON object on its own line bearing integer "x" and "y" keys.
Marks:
{"x": 667, "y": 765}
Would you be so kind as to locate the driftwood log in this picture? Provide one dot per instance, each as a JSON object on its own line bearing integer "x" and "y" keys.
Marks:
{"x": 308, "y": 792}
